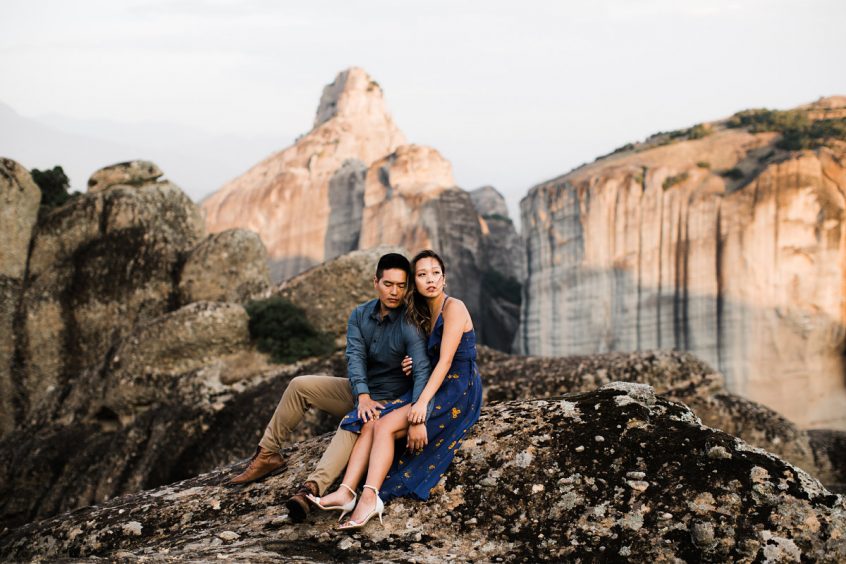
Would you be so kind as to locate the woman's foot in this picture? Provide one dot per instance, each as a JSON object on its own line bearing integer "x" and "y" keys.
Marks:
{"x": 368, "y": 504}
{"x": 339, "y": 497}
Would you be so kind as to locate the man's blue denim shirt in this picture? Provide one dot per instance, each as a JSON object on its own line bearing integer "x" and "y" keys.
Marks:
{"x": 375, "y": 349}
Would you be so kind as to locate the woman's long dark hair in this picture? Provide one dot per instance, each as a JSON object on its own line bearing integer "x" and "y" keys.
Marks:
{"x": 416, "y": 308}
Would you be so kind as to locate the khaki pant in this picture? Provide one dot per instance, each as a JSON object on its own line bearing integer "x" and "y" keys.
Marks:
{"x": 327, "y": 393}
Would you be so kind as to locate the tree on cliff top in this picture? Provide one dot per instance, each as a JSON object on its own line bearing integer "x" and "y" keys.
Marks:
{"x": 54, "y": 185}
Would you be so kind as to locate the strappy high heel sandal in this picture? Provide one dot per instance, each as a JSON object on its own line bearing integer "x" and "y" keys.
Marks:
{"x": 380, "y": 506}
{"x": 344, "y": 509}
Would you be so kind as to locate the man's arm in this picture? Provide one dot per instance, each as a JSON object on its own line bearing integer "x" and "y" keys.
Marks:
{"x": 415, "y": 347}
{"x": 357, "y": 370}
{"x": 356, "y": 356}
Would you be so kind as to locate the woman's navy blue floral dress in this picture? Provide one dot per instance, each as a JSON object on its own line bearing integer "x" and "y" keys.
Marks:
{"x": 453, "y": 410}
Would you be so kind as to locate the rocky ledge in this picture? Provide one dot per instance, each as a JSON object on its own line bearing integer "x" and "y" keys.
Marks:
{"x": 614, "y": 473}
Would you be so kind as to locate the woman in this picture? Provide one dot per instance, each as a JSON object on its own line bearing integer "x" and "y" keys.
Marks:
{"x": 435, "y": 425}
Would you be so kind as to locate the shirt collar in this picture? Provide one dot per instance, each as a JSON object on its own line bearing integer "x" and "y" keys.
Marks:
{"x": 376, "y": 314}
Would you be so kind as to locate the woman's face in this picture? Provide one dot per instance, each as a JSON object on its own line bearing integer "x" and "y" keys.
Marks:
{"x": 428, "y": 277}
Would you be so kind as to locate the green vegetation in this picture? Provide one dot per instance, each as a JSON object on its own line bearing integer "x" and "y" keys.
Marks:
{"x": 798, "y": 132}
{"x": 703, "y": 164}
{"x": 671, "y": 181}
{"x": 733, "y": 173}
{"x": 282, "y": 330}
{"x": 626, "y": 147}
{"x": 698, "y": 131}
{"x": 499, "y": 285}
{"x": 54, "y": 185}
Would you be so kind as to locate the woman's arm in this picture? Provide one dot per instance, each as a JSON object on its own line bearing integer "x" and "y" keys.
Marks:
{"x": 455, "y": 318}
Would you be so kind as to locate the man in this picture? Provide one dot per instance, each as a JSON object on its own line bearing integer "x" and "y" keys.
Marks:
{"x": 378, "y": 337}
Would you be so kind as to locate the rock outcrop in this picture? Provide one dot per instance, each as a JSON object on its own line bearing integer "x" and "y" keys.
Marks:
{"x": 329, "y": 292}
{"x": 99, "y": 359}
{"x": 99, "y": 266}
{"x": 722, "y": 243}
{"x": 674, "y": 375}
{"x": 616, "y": 473}
{"x": 19, "y": 201}
{"x": 353, "y": 183}
{"x": 230, "y": 266}
{"x": 503, "y": 260}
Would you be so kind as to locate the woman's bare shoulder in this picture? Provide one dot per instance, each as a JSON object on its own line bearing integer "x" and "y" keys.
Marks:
{"x": 454, "y": 308}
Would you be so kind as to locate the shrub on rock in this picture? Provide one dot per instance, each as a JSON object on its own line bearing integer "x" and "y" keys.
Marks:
{"x": 282, "y": 330}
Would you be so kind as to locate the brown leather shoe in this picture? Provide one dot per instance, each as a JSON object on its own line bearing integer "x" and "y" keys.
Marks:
{"x": 263, "y": 463}
{"x": 298, "y": 506}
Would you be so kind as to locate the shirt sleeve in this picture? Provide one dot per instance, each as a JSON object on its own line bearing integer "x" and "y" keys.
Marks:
{"x": 356, "y": 357}
{"x": 415, "y": 346}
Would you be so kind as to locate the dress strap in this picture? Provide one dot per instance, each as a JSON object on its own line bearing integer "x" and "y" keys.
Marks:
{"x": 442, "y": 305}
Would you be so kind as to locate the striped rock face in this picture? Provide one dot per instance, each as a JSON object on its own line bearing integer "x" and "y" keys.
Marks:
{"x": 722, "y": 243}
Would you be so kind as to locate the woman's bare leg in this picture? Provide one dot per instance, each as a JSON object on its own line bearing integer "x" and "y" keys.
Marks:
{"x": 389, "y": 428}
{"x": 356, "y": 467}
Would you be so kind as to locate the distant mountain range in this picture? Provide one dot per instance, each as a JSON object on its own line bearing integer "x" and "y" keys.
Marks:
{"x": 197, "y": 161}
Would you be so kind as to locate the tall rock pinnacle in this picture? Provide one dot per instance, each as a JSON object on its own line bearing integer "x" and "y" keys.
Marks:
{"x": 288, "y": 198}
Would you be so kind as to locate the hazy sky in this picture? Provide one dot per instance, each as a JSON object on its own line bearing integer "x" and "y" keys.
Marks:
{"x": 512, "y": 93}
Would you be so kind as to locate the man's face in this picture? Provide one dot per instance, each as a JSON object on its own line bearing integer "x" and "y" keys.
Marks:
{"x": 391, "y": 287}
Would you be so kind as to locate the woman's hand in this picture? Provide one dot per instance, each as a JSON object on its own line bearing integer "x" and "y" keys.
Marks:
{"x": 417, "y": 437}
{"x": 406, "y": 365}
{"x": 418, "y": 412}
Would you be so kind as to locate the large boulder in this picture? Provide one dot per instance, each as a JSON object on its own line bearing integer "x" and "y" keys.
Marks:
{"x": 676, "y": 375}
{"x": 19, "y": 201}
{"x": 616, "y": 473}
{"x": 99, "y": 265}
{"x": 230, "y": 266}
{"x": 150, "y": 365}
{"x": 329, "y": 292}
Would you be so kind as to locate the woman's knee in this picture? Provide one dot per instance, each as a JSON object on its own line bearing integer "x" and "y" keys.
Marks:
{"x": 383, "y": 427}
{"x": 368, "y": 428}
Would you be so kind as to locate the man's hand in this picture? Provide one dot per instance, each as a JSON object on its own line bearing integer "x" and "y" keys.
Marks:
{"x": 417, "y": 437}
{"x": 418, "y": 412}
{"x": 368, "y": 409}
{"x": 406, "y": 365}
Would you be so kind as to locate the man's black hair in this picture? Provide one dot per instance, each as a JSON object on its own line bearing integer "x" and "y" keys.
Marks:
{"x": 392, "y": 260}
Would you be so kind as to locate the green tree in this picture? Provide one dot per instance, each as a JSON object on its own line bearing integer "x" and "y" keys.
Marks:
{"x": 54, "y": 185}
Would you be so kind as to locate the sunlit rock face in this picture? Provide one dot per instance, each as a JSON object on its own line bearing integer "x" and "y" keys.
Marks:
{"x": 725, "y": 245}
{"x": 291, "y": 197}
{"x": 354, "y": 183}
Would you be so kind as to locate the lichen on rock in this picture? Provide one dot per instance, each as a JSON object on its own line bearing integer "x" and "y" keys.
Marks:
{"x": 645, "y": 493}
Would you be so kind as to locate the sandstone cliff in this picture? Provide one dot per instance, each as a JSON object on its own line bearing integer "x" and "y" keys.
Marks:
{"x": 615, "y": 474}
{"x": 353, "y": 182}
{"x": 729, "y": 242}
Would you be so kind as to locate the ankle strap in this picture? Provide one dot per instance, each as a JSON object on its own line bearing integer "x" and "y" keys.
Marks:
{"x": 352, "y": 491}
{"x": 372, "y": 488}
